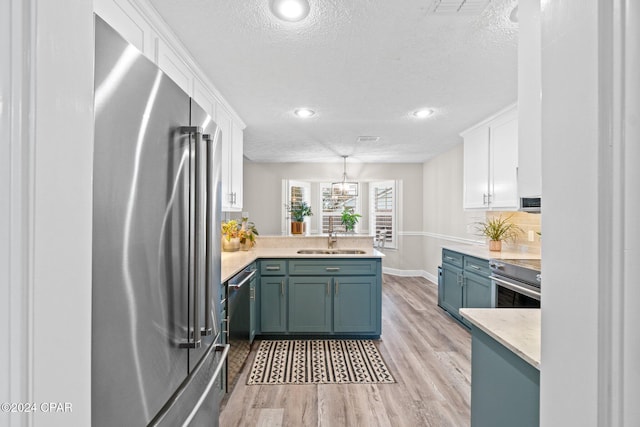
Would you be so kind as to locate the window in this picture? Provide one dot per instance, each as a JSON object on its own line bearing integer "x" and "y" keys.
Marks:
{"x": 294, "y": 192}
{"x": 382, "y": 211}
{"x": 332, "y": 209}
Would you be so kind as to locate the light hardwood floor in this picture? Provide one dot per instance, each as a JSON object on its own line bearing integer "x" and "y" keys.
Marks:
{"x": 428, "y": 353}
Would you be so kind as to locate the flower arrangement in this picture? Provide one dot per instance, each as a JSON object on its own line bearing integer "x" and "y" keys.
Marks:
{"x": 248, "y": 233}
{"x": 230, "y": 230}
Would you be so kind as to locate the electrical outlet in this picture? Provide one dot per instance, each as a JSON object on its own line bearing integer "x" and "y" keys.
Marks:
{"x": 531, "y": 236}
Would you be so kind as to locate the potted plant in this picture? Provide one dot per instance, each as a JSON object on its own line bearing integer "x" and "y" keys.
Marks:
{"x": 298, "y": 212}
{"x": 349, "y": 219}
{"x": 230, "y": 236}
{"x": 497, "y": 230}
{"x": 247, "y": 234}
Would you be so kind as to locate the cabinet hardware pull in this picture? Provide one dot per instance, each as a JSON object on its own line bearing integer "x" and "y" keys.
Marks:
{"x": 272, "y": 268}
{"x": 328, "y": 285}
{"x": 282, "y": 287}
{"x": 484, "y": 199}
{"x": 449, "y": 258}
{"x": 475, "y": 267}
{"x": 332, "y": 268}
{"x": 337, "y": 284}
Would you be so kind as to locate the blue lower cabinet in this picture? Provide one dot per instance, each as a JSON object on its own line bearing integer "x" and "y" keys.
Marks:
{"x": 321, "y": 297}
{"x": 451, "y": 298}
{"x": 355, "y": 304}
{"x": 505, "y": 390}
{"x": 273, "y": 307}
{"x": 310, "y": 304}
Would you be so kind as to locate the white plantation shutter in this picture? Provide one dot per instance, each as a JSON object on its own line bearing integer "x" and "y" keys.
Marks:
{"x": 333, "y": 208}
{"x": 382, "y": 211}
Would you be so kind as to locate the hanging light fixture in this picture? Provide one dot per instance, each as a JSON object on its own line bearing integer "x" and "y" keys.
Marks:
{"x": 344, "y": 189}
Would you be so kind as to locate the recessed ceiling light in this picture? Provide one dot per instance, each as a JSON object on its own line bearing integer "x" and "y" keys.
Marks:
{"x": 422, "y": 113}
{"x": 290, "y": 10}
{"x": 304, "y": 113}
{"x": 513, "y": 16}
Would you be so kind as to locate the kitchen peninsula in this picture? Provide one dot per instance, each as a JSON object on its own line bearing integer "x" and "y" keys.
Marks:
{"x": 505, "y": 366}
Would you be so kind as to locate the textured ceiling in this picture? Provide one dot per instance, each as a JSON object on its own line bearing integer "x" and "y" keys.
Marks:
{"x": 363, "y": 65}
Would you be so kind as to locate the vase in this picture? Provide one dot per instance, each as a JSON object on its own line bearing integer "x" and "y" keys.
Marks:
{"x": 231, "y": 245}
{"x": 246, "y": 245}
{"x": 495, "y": 245}
{"x": 297, "y": 227}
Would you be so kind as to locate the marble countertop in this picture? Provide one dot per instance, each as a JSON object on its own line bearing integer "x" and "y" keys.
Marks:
{"x": 233, "y": 262}
{"x": 484, "y": 252}
{"x": 518, "y": 329}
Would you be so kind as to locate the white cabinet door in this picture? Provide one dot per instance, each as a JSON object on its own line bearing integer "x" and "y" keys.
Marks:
{"x": 174, "y": 67}
{"x": 237, "y": 164}
{"x": 128, "y": 23}
{"x": 476, "y": 168}
{"x": 223, "y": 119}
{"x": 204, "y": 97}
{"x": 491, "y": 163}
{"x": 232, "y": 166}
{"x": 503, "y": 149}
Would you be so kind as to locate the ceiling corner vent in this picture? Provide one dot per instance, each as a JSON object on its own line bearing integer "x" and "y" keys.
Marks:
{"x": 368, "y": 139}
{"x": 458, "y": 7}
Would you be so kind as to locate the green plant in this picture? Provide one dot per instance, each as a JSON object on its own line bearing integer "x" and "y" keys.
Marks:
{"x": 299, "y": 210}
{"x": 349, "y": 219}
{"x": 499, "y": 229}
{"x": 230, "y": 229}
{"x": 248, "y": 232}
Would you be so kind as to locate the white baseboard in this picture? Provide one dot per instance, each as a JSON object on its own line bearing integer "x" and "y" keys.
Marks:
{"x": 410, "y": 273}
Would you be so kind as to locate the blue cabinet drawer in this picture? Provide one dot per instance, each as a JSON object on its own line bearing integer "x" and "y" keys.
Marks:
{"x": 305, "y": 267}
{"x": 273, "y": 267}
{"x": 453, "y": 258}
{"x": 477, "y": 265}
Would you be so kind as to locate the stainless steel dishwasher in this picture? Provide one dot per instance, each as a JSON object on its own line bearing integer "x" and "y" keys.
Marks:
{"x": 241, "y": 289}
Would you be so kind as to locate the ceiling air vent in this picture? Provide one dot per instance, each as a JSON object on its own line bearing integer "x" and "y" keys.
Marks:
{"x": 368, "y": 139}
{"x": 458, "y": 7}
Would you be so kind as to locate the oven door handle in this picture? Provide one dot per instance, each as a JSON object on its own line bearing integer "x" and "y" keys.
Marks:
{"x": 516, "y": 288}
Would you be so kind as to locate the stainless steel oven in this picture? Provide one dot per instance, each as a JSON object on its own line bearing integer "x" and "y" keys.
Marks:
{"x": 517, "y": 282}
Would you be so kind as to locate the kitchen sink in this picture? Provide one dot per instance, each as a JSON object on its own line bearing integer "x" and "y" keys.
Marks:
{"x": 331, "y": 252}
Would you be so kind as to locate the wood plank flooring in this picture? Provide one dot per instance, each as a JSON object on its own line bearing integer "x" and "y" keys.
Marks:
{"x": 428, "y": 353}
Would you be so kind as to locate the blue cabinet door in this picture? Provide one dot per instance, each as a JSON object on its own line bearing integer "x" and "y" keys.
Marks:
{"x": 451, "y": 289}
{"x": 273, "y": 309}
{"x": 355, "y": 304}
{"x": 477, "y": 291}
{"x": 310, "y": 304}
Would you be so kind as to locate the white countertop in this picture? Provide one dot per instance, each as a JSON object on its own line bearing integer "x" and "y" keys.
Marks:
{"x": 484, "y": 252}
{"x": 287, "y": 247}
{"x": 518, "y": 329}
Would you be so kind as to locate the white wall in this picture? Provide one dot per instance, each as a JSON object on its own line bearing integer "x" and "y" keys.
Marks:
{"x": 263, "y": 199}
{"x": 51, "y": 111}
{"x": 570, "y": 158}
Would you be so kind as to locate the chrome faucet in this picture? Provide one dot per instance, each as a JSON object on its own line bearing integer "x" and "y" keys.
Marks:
{"x": 333, "y": 237}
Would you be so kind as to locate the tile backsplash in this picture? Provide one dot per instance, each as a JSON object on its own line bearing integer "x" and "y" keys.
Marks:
{"x": 529, "y": 223}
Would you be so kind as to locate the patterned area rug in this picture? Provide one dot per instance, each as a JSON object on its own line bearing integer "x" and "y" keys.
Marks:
{"x": 318, "y": 362}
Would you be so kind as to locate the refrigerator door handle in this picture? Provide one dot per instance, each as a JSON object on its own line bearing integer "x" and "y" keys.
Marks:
{"x": 208, "y": 329}
{"x": 194, "y": 340}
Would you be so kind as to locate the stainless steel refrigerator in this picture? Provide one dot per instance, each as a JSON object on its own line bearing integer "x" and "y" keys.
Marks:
{"x": 156, "y": 356}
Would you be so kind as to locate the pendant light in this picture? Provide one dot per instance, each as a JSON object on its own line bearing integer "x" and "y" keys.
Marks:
{"x": 344, "y": 189}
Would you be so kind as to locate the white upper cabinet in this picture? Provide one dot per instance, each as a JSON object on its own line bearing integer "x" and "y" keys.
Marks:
{"x": 232, "y": 167}
{"x": 476, "y": 168}
{"x": 128, "y": 21}
{"x": 491, "y": 163}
